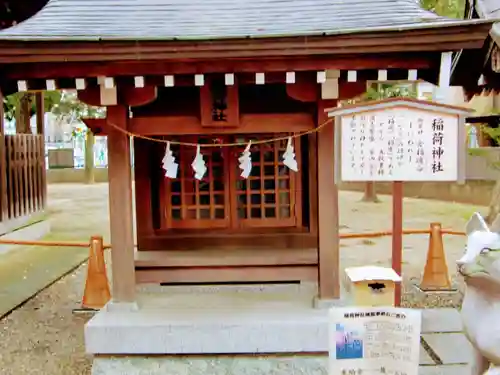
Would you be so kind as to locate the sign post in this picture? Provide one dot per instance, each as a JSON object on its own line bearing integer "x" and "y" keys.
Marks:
{"x": 398, "y": 140}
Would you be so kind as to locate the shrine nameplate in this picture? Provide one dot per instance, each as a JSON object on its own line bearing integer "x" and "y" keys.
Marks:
{"x": 219, "y": 103}
{"x": 407, "y": 141}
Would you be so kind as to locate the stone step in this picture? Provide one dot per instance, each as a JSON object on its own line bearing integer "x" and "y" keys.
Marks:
{"x": 234, "y": 365}
{"x": 451, "y": 348}
{"x": 441, "y": 320}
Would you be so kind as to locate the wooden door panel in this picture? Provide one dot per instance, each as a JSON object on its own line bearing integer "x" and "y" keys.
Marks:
{"x": 267, "y": 198}
{"x": 193, "y": 204}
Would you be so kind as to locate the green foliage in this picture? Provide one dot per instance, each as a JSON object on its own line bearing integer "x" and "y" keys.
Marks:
{"x": 11, "y": 102}
{"x": 446, "y": 8}
{"x": 384, "y": 91}
{"x": 70, "y": 106}
{"x": 64, "y": 104}
{"x": 379, "y": 91}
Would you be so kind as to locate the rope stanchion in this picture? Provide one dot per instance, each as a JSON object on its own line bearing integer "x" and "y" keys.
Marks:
{"x": 97, "y": 292}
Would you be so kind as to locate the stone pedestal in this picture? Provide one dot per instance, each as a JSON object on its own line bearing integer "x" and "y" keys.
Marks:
{"x": 212, "y": 321}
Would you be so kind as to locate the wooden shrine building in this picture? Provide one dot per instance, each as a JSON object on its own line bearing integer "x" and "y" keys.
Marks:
{"x": 225, "y": 72}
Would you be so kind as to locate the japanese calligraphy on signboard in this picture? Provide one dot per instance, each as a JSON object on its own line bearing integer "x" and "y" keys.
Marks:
{"x": 400, "y": 144}
{"x": 381, "y": 340}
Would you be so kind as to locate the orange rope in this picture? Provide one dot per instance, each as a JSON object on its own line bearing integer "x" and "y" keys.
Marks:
{"x": 345, "y": 236}
{"x": 342, "y": 236}
{"x": 453, "y": 232}
{"x": 45, "y": 243}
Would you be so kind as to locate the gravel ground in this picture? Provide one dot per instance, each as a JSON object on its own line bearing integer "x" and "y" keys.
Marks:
{"x": 45, "y": 337}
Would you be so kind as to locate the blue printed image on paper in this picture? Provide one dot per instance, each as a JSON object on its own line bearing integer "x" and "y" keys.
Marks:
{"x": 349, "y": 344}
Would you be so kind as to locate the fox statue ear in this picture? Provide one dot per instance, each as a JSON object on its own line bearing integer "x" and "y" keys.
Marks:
{"x": 477, "y": 224}
{"x": 495, "y": 226}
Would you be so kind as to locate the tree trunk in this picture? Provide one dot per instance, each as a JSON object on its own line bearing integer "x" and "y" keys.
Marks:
{"x": 23, "y": 114}
{"x": 370, "y": 193}
{"x": 89, "y": 157}
{"x": 494, "y": 208}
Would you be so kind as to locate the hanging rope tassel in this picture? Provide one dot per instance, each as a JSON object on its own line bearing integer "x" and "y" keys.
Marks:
{"x": 169, "y": 164}
{"x": 289, "y": 156}
{"x": 198, "y": 164}
{"x": 246, "y": 162}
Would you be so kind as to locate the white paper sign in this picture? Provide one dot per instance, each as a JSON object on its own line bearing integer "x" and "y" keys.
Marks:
{"x": 374, "y": 340}
{"x": 399, "y": 145}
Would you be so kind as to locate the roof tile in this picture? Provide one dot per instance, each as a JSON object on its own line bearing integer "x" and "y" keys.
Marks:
{"x": 216, "y": 19}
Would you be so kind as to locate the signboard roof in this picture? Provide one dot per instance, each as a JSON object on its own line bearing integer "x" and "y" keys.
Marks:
{"x": 397, "y": 102}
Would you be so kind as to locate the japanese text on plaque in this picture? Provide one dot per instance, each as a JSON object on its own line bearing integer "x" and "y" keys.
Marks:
{"x": 374, "y": 341}
{"x": 399, "y": 146}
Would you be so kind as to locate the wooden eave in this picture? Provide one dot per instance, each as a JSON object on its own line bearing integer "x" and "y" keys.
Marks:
{"x": 447, "y": 38}
{"x": 89, "y": 69}
{"x": 491, "y": 120}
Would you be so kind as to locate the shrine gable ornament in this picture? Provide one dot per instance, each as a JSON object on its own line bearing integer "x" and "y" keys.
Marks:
{"x": 400, "y": 139}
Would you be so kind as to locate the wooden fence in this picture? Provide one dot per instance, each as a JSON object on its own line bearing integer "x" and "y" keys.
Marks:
{"x": 23, "y": 178}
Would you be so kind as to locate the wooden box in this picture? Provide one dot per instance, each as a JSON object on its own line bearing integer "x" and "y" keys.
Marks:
{"x": 371, "y": 285}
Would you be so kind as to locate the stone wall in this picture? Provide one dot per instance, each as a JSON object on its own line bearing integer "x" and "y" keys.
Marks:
{"x": 482, "y": 169}
{"x": 483, "y": 164}
{"x": 477, "y": 192}
{"x": 76, "y": 176}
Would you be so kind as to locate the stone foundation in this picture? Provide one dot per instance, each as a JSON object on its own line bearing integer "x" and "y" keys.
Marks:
{"x": 231, "y": 330}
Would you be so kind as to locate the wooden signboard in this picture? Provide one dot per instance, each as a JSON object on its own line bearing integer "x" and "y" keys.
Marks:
{"x": 397, "y": 140}
{"x": 400, "y": 140}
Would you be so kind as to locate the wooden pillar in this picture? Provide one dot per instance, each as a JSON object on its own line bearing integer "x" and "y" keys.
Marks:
{"x": 40, "y": 130}
{"x": 23, "y": 124}
{"x": 89, "y": 157}
{"x": 120, "y": 206}
{"x": 40, "y": 113}
{"x": 4, "y": 208}
{"x": 397, "y": 235}
{"x": 328, "y": 209}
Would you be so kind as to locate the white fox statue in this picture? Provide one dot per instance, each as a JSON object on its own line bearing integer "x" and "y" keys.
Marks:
{"x": 480, "y": 268}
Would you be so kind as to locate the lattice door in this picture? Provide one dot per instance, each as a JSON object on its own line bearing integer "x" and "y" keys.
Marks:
{"x": 268, "y": 197}
{"x": 198, "y": 204}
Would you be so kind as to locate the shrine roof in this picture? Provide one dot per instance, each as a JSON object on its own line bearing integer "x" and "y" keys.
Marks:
{"x": 95, "y": 20}
{"x": 397, "y": 102}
